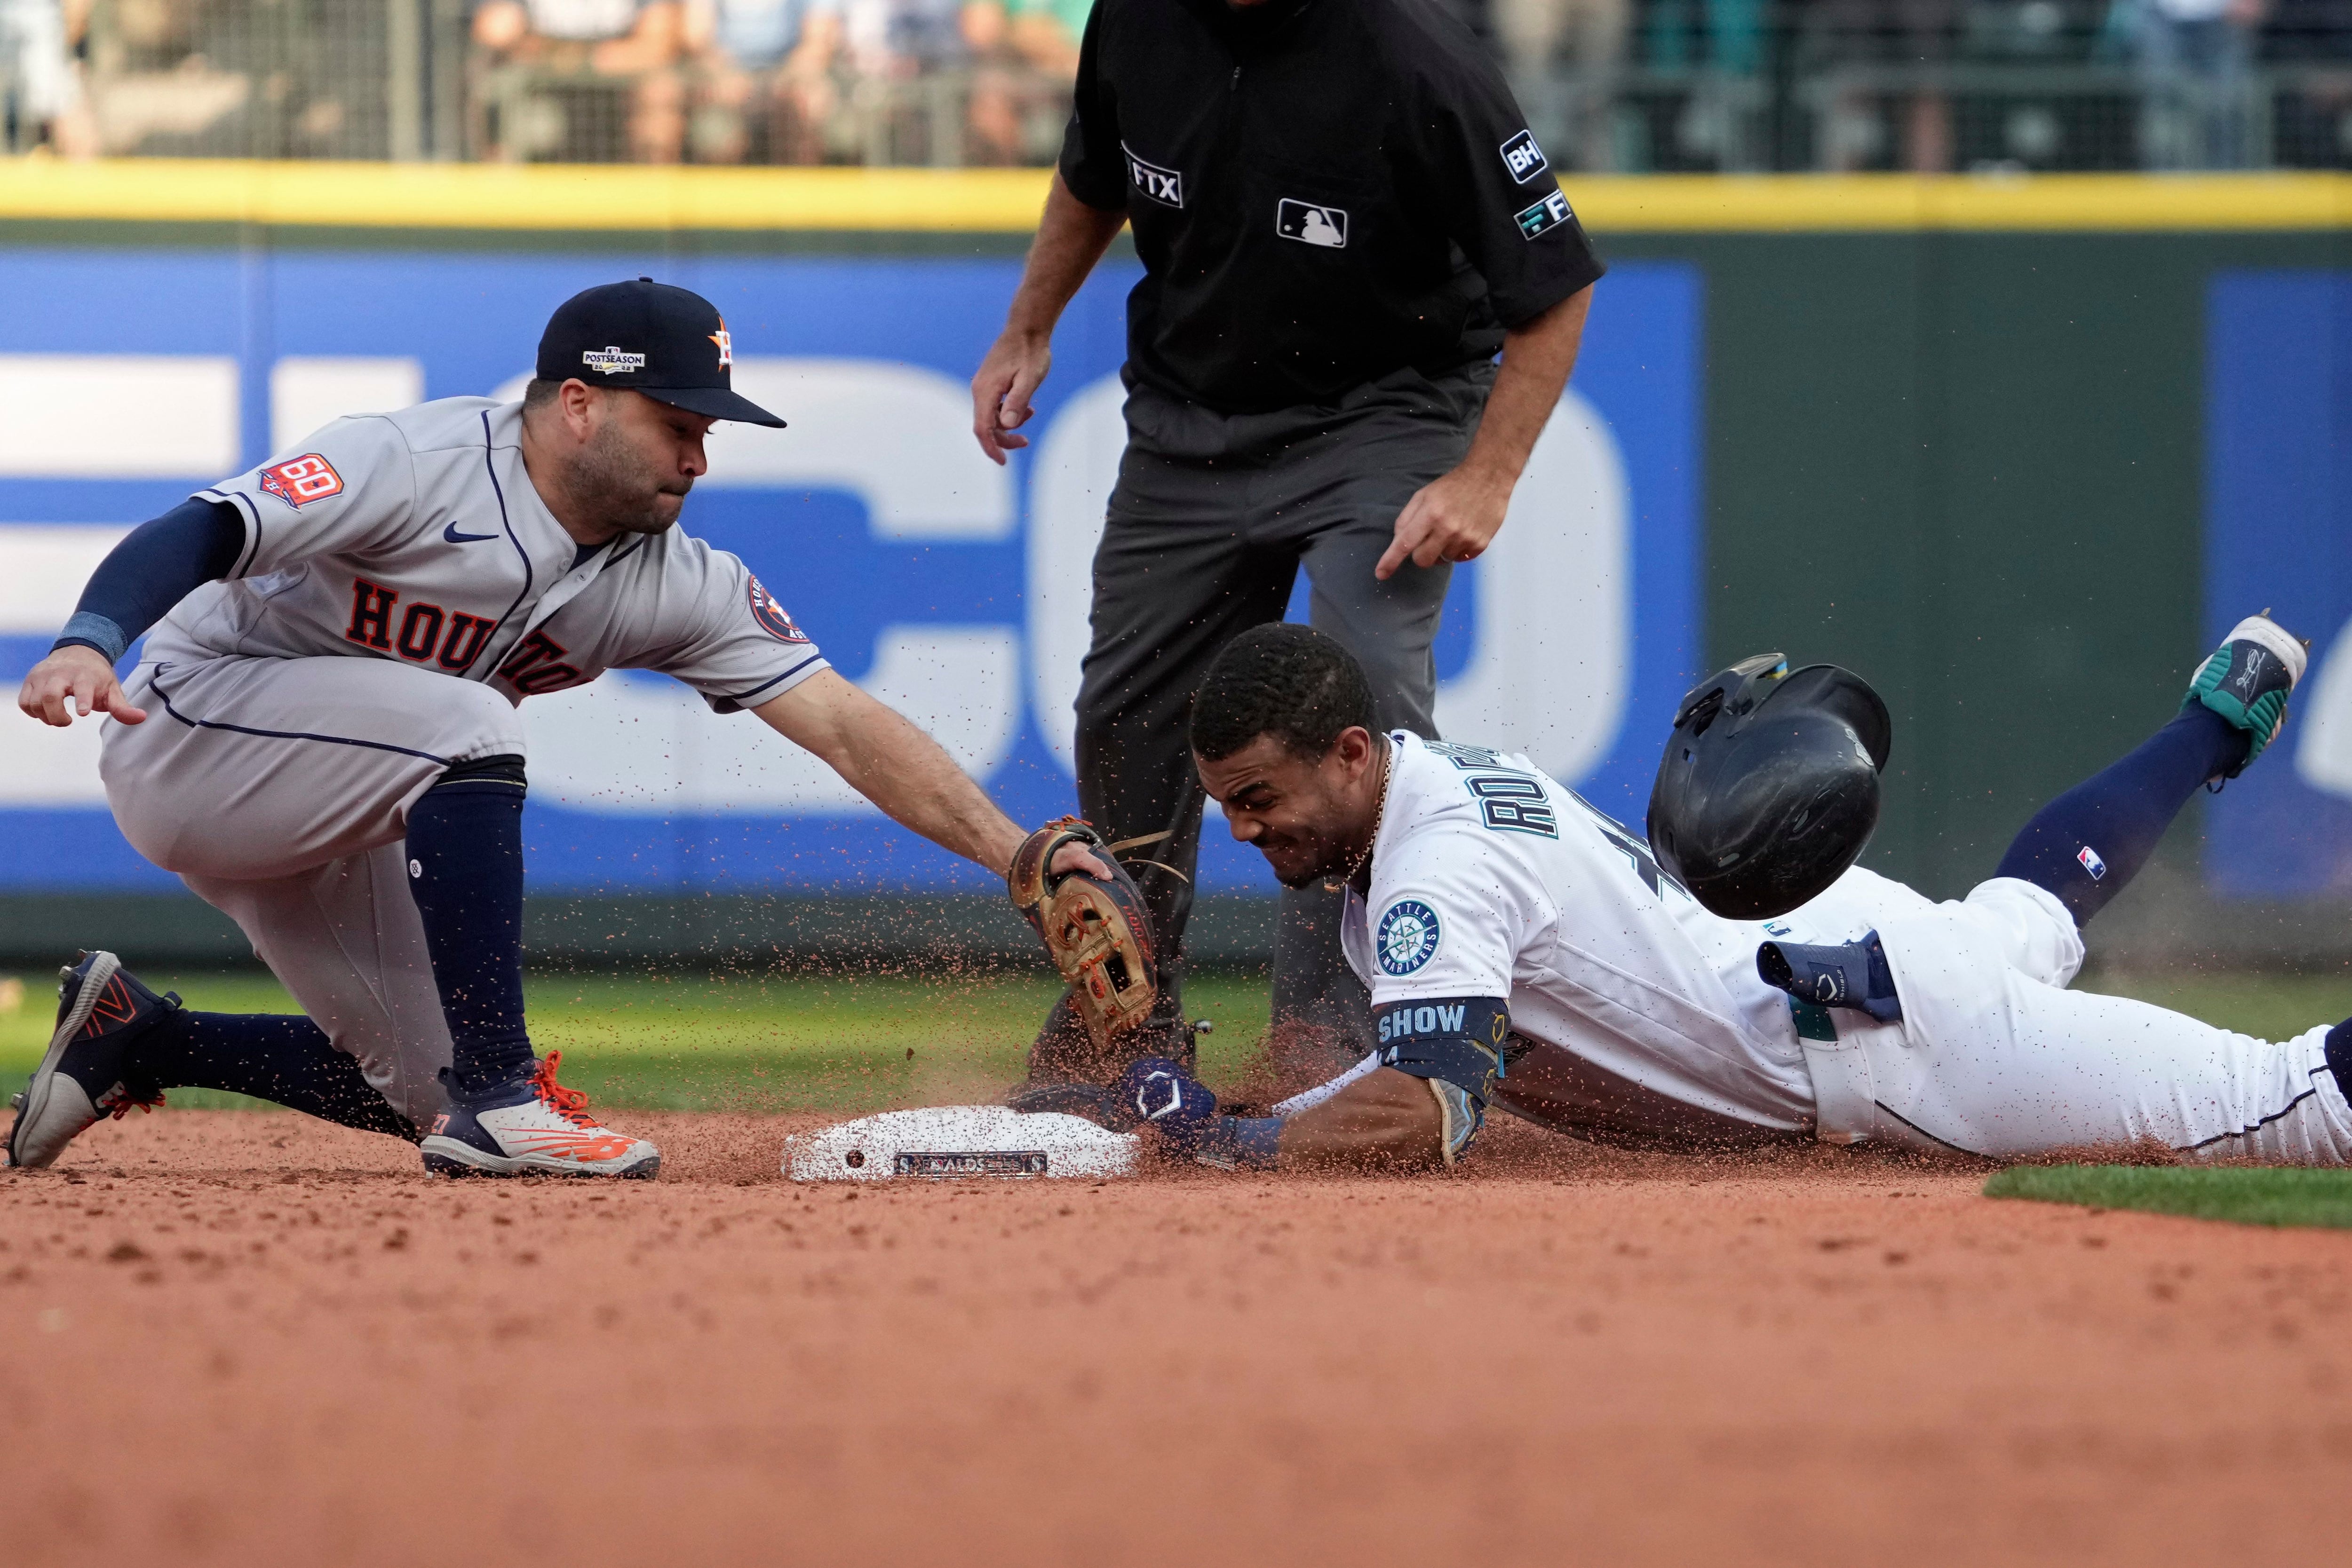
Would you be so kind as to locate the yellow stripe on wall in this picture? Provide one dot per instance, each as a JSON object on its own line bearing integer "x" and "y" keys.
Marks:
{"x": 627, "y": 198}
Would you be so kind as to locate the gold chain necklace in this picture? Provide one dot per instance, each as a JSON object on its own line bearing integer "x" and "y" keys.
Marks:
{"x": 1380, "y": 814}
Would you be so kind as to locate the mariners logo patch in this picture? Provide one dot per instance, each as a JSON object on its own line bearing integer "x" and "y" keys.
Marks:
{"x": 772, "y": 617}
{"x": 1311, "y": 223}
{"x": 1165, "y": 186}
{"x": 298, "y": 481}
{"x": 1407, "y": 937}
{"x": 611, "y": 361}
{"x": 1523, "y": 157}
{"x": 1544, "y": 216}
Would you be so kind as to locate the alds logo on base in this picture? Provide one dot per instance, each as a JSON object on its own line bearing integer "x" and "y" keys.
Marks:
{"x": 298, "y": 481}
{"x": 975, "y": 1163}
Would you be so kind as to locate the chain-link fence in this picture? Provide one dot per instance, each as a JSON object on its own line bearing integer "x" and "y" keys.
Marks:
{"x": 1609, "y": 85}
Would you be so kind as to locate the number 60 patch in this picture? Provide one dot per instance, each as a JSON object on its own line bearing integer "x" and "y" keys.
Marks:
{"x": 300, "y": 480}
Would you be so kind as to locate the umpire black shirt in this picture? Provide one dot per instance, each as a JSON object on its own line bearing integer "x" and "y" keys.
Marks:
{"x": 1323, "y": 192}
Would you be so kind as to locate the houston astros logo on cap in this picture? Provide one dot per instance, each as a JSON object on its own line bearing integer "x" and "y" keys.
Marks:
{"x": 648, "y": 338}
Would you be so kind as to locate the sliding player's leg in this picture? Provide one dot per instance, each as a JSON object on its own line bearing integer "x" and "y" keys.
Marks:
{"x": 2088, "y": 843}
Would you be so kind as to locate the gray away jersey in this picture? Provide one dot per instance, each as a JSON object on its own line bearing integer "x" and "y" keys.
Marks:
{"x": 417, "y": 536}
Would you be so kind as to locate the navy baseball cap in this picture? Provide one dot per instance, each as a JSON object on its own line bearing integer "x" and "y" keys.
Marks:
{"x": 670, "y": 344}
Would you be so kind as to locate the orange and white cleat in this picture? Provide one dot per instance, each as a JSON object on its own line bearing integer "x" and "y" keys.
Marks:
{"x": 537, "y": 1127}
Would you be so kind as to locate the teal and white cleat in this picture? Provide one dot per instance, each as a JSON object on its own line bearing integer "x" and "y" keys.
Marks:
{"x": 2248, "y": 679}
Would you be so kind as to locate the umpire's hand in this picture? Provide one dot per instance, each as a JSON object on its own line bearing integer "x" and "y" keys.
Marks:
{"x": 1454, "y": 518}
{"x": 75, "y": 680}
{"x": 1008, "y": 379}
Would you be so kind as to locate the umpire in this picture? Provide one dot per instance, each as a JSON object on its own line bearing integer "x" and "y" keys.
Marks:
{"x": 1341, "y": 218}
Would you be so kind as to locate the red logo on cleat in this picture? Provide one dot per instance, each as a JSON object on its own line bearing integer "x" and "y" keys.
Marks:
{"x": 115, "y": 1004}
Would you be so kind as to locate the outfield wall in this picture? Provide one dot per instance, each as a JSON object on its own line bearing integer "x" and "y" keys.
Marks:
{"x": 2016, "y": 450}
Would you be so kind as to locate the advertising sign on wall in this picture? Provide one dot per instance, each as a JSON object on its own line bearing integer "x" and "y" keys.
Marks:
{"x": 954, "y": 590}
{"x": 2279, "y": 536}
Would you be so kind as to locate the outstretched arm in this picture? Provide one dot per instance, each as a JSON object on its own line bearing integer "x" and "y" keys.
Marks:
{"x": 895, "y": 765}
{"x": 1413, "y": 1104}
{"x": 159, "y": 564}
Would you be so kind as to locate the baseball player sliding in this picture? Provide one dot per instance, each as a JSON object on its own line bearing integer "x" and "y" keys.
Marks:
{"x": 323, "y": 739}
{"x": 1523, "y": 949}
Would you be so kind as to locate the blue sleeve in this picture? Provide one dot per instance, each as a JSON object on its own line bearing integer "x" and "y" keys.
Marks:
{"x": 158, "y": 564}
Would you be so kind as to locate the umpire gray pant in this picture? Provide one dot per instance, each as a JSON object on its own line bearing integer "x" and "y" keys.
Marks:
{"x": 1209, "y": 524}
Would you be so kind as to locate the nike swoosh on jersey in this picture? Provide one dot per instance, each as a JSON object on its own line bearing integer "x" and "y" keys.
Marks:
{"x": 455, "y": 537}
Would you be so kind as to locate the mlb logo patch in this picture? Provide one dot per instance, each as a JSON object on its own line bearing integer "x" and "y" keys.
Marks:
{"x": 1165, "y": 186}
{"x": 2092, "y": 862}
{"x": 1311, "y": 223}
{"x": 1545, "y": 215}
{"x": 771, "y": 615}
{"x": 298, "y": 481}
{"x": 1523, "y": 157}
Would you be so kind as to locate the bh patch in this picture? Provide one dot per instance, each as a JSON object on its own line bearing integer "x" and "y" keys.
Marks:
{"x": 1407, "y": 937}
{"x": 1523, "y": 157}
{"x": 771, "y": 615}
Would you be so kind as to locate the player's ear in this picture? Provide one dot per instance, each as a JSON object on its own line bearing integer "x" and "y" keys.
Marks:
{"x": 578, "y": 401}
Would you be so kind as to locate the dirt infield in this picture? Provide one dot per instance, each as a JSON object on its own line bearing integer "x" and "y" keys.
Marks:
{"x": 248, "y": 1338}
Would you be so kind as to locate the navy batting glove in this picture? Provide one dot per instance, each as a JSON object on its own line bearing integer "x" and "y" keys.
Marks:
{"x": 1155, "y": 1089}
{"x": 1155, "y": 1092}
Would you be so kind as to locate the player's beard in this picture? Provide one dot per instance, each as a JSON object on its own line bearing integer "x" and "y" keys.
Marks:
{"x": 621, "y": 488}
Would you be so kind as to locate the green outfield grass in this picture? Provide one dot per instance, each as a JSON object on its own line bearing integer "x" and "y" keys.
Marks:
{"x": 693, "y": 1042}
{"x": 2244, "y": 1196}
{"x": 699, "y": 1043}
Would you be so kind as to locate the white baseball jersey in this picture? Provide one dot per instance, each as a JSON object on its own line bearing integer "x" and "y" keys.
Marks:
{"x": 418, "y": 537}
{"x": 1489, "y": 880}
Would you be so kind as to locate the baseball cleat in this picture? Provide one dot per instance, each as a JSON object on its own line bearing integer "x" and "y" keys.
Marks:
{"x": 2248, "y": 678}
{"x": 537, "y": 1127}
{"x": 102, "y": 1010}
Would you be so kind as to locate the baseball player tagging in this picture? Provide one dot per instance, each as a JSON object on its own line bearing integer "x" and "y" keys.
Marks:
{"x": 323, "y": 736}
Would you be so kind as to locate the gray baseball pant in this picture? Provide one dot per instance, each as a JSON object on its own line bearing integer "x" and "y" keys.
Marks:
{"x": 279, "y": 791}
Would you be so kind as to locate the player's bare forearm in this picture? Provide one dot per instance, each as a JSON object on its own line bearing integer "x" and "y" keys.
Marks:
{"x": 1456, "y": 517}
{"x": 1385, "y": 1120}
{"x": 75, "y": 682}
{"x": 1071, "y": 238}
{"x": 885, "y": 758}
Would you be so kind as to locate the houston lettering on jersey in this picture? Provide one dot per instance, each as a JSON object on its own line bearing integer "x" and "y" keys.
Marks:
{"x": 537, "y": 665}
{"x": 422, "y": 635}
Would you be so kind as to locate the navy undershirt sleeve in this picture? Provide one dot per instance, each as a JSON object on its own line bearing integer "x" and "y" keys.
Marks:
{"x": 158, "y": 564}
